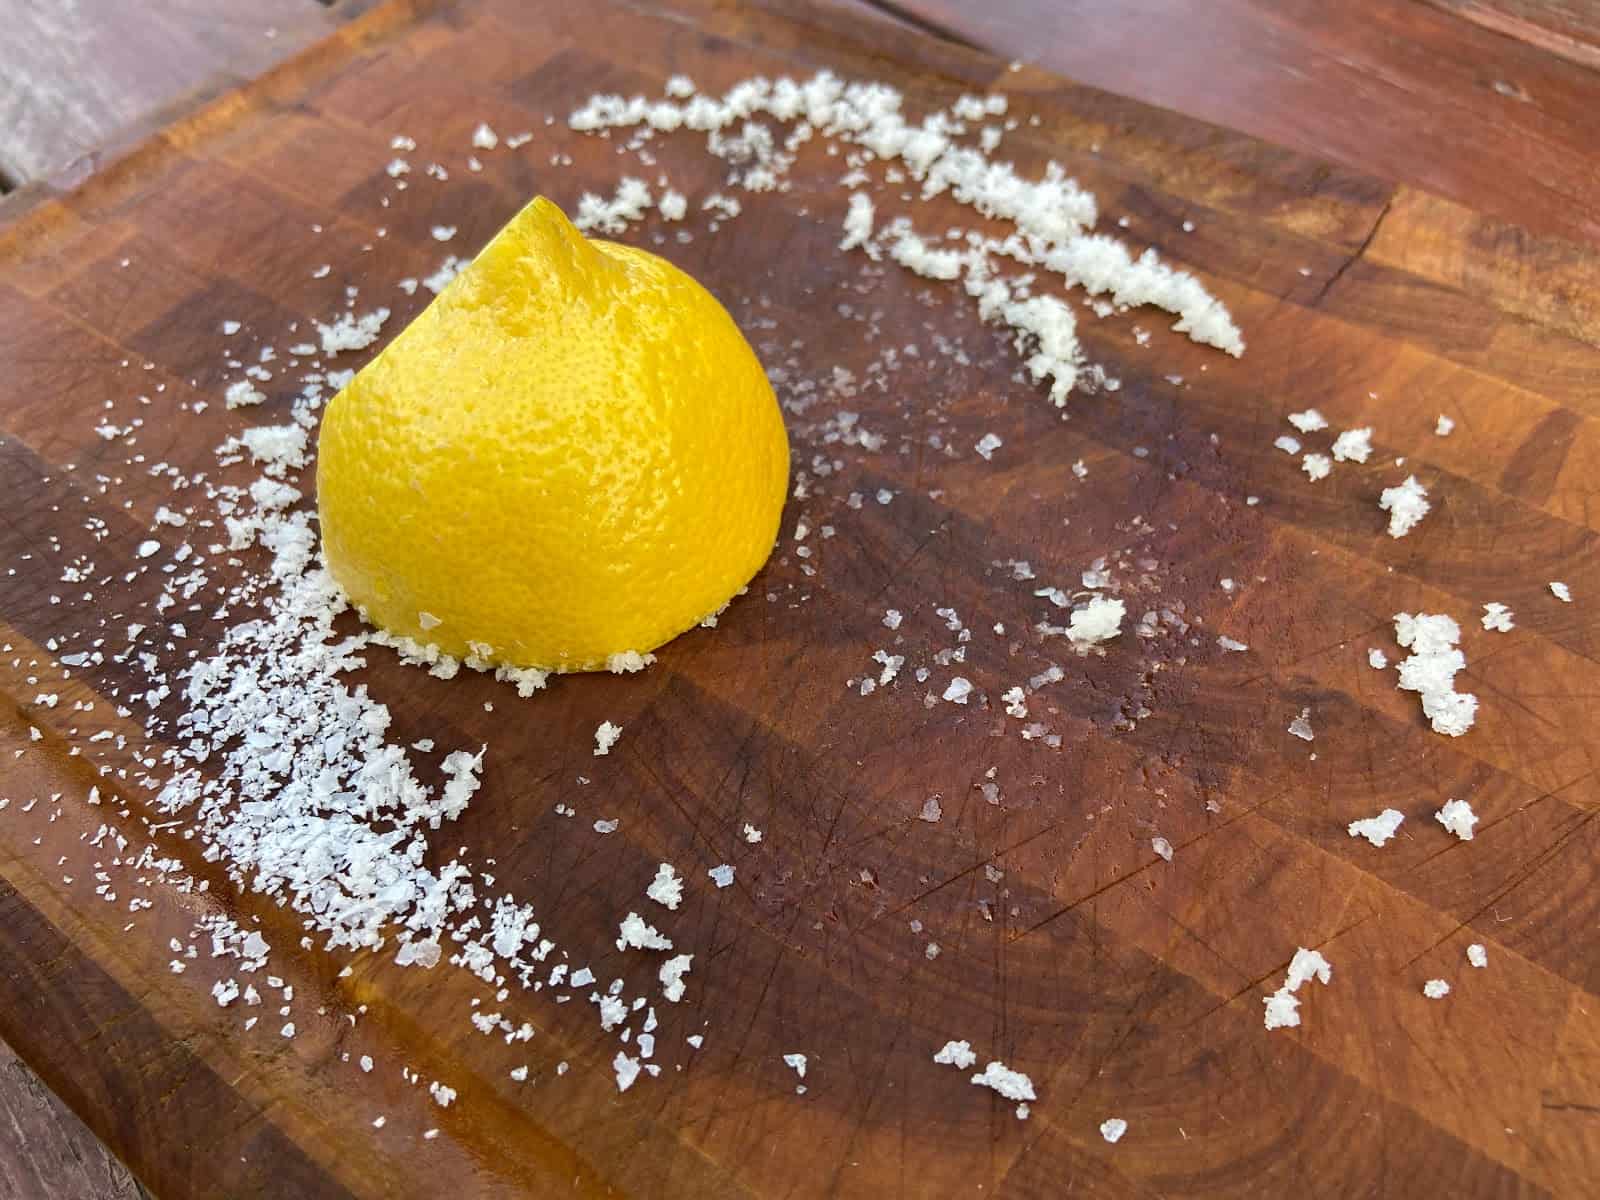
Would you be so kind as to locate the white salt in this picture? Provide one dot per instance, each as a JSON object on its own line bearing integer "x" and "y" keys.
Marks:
{"x": 1406, "y": 504}
{"x": 1378, "y": 829}
{"x": 955, "y": 1054}
{"x": 1497, "y": 617}
{"x": 1353, "y": 445}
{"x": 1457, "y": 816}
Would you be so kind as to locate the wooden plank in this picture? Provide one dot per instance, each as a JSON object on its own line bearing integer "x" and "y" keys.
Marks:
{"x": 78, "y": 72}
{"x": 1405, "y": 91}
{"x": 45, "y": 1151}
{"x": 1569, "y": 29}
{"x": 1126, "y": 985}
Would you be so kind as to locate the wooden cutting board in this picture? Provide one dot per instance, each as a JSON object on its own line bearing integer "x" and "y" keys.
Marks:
{"x": 1124, "y": 985}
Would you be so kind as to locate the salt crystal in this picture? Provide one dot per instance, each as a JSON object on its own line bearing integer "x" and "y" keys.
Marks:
{"x": 1497, "y": 617}
{"x": 1378, "y": 829}
{"x": 667, "y": 887}
{"x": 1457, "y": 816}
{"x": 1353, "y": 445}
{"x": 1013, "y": 1085}
{"x": 605, "y": 737}
{"x": 1406, "y": 504}
{"x": 1301, "y": 726}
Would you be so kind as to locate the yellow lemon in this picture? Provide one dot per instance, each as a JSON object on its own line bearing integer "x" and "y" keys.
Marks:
{"x": 572, "y": 453}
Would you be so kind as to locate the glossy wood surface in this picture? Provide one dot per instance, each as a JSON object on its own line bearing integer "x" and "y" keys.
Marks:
{"x": 1124, "y": 985}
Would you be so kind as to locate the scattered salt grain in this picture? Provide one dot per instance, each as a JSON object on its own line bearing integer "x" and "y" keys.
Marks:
{"x": 1443, "y": 427}
{"x": 635, "y": 933}
{"x": 1228, "y": 643}
{"x": 797, "y": 1062}
{"x": 351, "y": 332}
{"x": 484, "y": 138}
{"x": 242, "y": 394}
{"x": 1431, "y": 669}
{"x": 1162, "y": 847}
{"x": 1477, "y": 955}
{"x": 1378, "y": 829}
{"x": 598, "y": 215}
{"x": 443, "y": 233}
{"x": 606, "y": 826}
{"x": 627, "y": 1070}
{"x": 1308, "y": 421}
{"x": 1497, "y": 617}
{"x": 1436, "y": 989}
{"x": 671, "y": 976}
{"x": 448, "y": 270}
{"x": 931, "y": 812}
{"x": 891, "y": 618}
{"x": 987, "y": 445}
{"x": 1300, "y": 727}
{"x": 1406, "y": 504}
{"x": 146, "y": 549}
{"x": 1112, "y": 1129}
{"x": 1289, "y": 445}
{"x": 858, "y": 224}
{"x": 722, "y": 876}
{"x": 1457, "y": 816}
{"x": 1353, "y": 445}
{"x": 751, "y": 834}
{"x": 1316, "y": 466}
{"x": 667, "y": 887}
{"x": 1282, "y": 1007}
{"x": 1098, "y": 621}
{"x": 956, "y": 1054}
{"x": 960, "y": 688}
{"x": 1013, "y": 1085}
{"x": 605, "y": 737}
{"x": 1560, "y": 591}
{"x": 628, "y": 661}
{"x": 672, "y": 206}
{"x": 1377, "y": 659}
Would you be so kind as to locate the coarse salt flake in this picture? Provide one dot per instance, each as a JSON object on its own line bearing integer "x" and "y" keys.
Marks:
{"x": 1457, "y": 816}
{"x": 605, "y": 737}
{"x": 955, "y": 1054}
{"x": 1378, "y": 829}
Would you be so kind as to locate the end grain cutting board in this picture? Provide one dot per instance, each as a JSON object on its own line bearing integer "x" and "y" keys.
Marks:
{"x": 1033, "y": 917}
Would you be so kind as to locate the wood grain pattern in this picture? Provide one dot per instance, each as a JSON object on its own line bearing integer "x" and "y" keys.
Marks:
{"x": 48, "y": 1151}
{"x": 1124, "y": 985}
{"x": 78, "y": 72}
{"x": 1569, "y": 29}
{"x": 1406, "y": 91}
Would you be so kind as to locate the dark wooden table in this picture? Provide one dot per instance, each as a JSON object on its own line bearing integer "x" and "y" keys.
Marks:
{"x": 1490, "y": 103}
